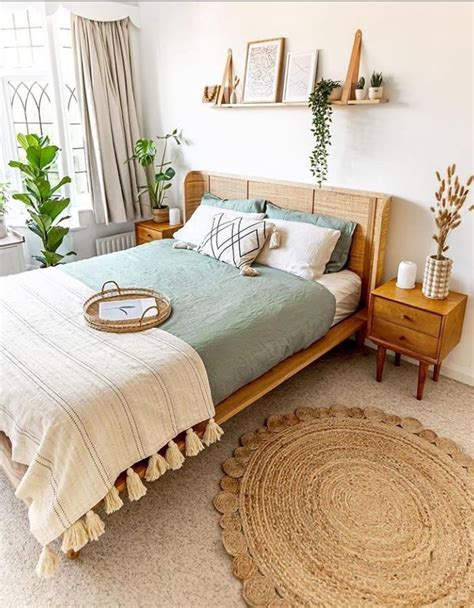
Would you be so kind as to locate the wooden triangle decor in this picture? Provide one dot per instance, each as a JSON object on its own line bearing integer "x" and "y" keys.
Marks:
{"x": 352, "y": 70}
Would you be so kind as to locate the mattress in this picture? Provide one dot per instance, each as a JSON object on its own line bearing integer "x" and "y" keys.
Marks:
{"x": 345, "y": 286}
{"x": 240, "y": 326}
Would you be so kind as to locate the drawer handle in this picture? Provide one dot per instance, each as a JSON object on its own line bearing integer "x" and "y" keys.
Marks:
{"x": 402, "y": 338}
{"x": 406, "y": 317}
{"x": 148, "y": 236}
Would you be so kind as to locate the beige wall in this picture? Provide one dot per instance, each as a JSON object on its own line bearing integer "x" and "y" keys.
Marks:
{"x": 425, "y": 51}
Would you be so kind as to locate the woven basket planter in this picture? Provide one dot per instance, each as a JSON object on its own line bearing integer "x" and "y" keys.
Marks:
{"x": 437, "y": 278}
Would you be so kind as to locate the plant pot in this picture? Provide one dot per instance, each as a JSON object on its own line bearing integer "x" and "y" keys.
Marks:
{"x": 3, "y": 227}
{"x": 375, "y": 92}
{"x": 161, "y": 216}
{"x": 437, "y": 278}
{"x": 335, "y": 94}
{"x": 360, "y": 94}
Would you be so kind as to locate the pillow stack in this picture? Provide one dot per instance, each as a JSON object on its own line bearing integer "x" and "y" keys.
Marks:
{"x": 241, "y": 231}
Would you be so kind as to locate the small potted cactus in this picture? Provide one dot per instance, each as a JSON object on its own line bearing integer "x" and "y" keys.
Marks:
{"x": 360, "y": 89}
{"x": 376, "y": 88}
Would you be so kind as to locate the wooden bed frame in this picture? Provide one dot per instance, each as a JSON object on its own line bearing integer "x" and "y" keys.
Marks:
{"x": 369, "y": 210}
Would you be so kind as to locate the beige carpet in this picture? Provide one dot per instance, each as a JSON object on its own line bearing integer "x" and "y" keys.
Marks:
{"x": 166, "y": 549}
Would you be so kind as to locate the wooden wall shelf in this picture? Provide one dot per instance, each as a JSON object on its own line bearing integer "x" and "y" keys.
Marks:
{"x": 296, "y": 104}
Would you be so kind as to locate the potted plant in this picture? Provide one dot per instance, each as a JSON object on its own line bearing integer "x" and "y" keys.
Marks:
{"x": 320, "y": 104}
{"x": 3, "y": 209}
{"x": 450, "y": 199}
{"x": 376, "y": 88}
{"x": 360, "y": 89}
{"x": 145, "y": 152}
{"x": 40, "y": 198}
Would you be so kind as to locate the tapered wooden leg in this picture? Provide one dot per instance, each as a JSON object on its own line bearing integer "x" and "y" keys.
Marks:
{"x": 422, "y": 371}
{"x": 381, "y": 351}
{"x": 436, "y": 372}
{"x": 71, "y": 554}
{"x": 397, "y": 359}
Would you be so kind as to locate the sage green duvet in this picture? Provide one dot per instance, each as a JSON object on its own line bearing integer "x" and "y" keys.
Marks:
{"x": 240, "y": 326}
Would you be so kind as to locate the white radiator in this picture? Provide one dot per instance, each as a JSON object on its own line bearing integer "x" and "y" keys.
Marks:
{"x": 116, "y": 242}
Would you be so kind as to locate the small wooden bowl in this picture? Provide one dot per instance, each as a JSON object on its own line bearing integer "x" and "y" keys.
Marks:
{"x": 91, "y": 309}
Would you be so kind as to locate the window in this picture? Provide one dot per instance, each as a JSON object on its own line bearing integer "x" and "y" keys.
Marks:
{"x": 38, "y": 92}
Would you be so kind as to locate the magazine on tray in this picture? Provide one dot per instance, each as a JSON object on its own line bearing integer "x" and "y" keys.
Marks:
{"x": 126, "y": 310}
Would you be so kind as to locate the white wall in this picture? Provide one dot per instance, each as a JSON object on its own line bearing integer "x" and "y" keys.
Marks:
{"x": 425, "y": 52}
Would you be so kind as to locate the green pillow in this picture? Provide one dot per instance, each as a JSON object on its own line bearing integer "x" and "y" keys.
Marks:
{"x": 245, "y": 205}
{"x": 341, "y": 252}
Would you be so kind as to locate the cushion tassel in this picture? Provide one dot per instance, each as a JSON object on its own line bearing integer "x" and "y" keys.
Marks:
{"x": 95, "y": 526}
{"x": 193, "y": 443}
{"x": 48, "y": 562}
{"x": 173, "y": 456}
{"x": 212, "y": 433}
{"x": 75, "y": 537}
{"x": 157, "y": 466}
{"x": 135, "y": 487}
{"x": 248, "y": 271}
{"x": 274, "y": 240}
{"x": 112, "y": 501}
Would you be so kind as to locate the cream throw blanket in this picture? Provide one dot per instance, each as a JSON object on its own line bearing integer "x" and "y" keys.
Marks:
{"x": 81, "y": 406}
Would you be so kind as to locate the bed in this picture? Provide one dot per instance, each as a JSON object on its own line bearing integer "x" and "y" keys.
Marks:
{"x": 251, "y": 334}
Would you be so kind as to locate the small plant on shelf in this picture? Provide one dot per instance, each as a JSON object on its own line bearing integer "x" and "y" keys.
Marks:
{"x": 319, "y": 102}
{"x": 376, "y": 88}
{"x": 145, "y": 152}
{"x": 360, "y": 89}
{"x": 41, "y": 199}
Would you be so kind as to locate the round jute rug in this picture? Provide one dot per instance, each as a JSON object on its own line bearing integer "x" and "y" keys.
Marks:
{"x": 349, "y": 507}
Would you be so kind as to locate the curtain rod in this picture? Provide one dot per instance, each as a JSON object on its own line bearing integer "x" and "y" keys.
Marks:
{"x": 98, "y": 11}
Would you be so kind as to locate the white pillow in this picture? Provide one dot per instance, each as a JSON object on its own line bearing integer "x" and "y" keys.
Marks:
{"x": 235, "y": 240}
{"x": 200, "y": 222}
{"x": 304, "y": 249}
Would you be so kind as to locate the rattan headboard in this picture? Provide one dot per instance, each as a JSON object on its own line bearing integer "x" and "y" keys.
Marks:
{"x": 370, "y": 210}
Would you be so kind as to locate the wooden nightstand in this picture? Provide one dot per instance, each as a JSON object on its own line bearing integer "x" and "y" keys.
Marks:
{"x": 149, "y": 230}
{"x": 405, "y": 321}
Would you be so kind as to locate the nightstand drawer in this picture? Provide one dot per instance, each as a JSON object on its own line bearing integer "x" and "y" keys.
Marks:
{"x": 407, "y": 339}
{"x": 407, "y": 316}
{"x": 145, "y": 235}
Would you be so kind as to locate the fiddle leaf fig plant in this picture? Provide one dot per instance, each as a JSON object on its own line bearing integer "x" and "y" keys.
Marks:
{"x": 145, "y": 152}
{"x": 321, "y": 127}
{"x": 41, "y": 198}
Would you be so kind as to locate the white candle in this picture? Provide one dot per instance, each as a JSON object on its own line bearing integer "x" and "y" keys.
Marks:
{"x": 175, "y": 216}
{"x": 406, "y": 276}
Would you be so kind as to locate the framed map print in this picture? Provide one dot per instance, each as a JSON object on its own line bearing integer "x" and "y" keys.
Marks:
{"x": 299, "y": 76}
{"x": 263, "y": 70}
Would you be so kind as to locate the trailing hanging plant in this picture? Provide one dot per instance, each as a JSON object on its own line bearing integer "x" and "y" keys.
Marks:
{"x": 145, "y": 152}
{"x": 42, "y": 203}
{"x": 450, "y": 199}
{"x": 322, "y": 113}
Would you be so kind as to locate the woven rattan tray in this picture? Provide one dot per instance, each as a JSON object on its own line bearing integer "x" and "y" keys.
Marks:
{"x": 91, "y": 309}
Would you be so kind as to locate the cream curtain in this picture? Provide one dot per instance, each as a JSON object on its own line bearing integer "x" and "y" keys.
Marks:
{"x": 109, "y": 111}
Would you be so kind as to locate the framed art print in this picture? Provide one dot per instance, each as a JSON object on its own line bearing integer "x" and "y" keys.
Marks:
{"x": 299, "y": 76}
{"x": 263, "y": 70}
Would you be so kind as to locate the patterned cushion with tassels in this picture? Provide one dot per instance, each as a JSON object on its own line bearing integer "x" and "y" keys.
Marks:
{"x": 237, "y": 240}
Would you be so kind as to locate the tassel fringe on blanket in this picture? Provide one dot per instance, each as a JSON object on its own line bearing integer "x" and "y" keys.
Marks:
{"x": 91, "y": 527}
{"x": 48, "y": 562}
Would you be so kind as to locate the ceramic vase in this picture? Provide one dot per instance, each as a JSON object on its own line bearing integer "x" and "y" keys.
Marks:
{"x": 437, "y": 278}
{"x": 360, "y": 94}
{"x": 161, "y": 216}
{"x": 335, "y": 94}
{"x": 375, "y": 92}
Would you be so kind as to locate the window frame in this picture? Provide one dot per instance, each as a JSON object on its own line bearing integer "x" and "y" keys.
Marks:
{"x": 51, "y": 72}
